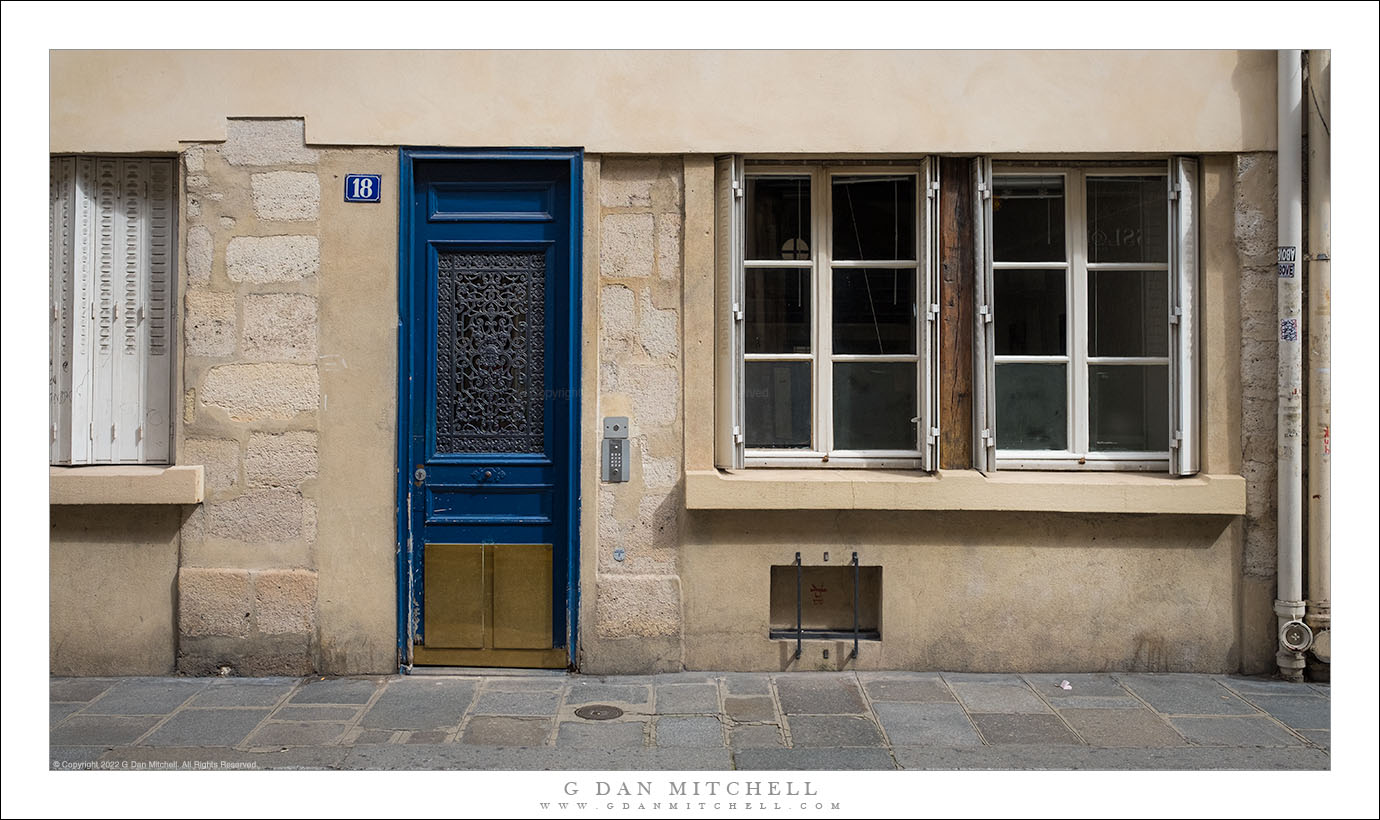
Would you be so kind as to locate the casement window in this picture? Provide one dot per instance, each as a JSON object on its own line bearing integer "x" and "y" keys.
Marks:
{"x": 112, "y": 223}
{"x": 1086, "y": 310}
{"x": 828, "y": 318}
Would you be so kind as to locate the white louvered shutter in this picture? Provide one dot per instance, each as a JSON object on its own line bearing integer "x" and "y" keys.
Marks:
{"x": 984, "y": 339}
{"x": 1183, "y": 317}
{"x": 929, "y": 341}
{"x": 728, "y": 323}
{"x": 111, "y": 266}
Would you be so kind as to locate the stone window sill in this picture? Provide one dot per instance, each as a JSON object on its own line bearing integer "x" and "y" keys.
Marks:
{"x": 771, "y": 489}
{"x": 126, "y": 484}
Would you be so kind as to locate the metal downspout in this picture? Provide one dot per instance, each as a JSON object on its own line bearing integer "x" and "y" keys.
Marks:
{"x": 1318, "y": 101}
{"x": 1294, "y": 636}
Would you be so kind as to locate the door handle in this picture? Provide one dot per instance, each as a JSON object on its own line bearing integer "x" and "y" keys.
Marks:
{"x": 419, "y": 475}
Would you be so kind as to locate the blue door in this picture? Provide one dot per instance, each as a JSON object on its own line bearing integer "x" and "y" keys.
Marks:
{"x": 489, "y": 408}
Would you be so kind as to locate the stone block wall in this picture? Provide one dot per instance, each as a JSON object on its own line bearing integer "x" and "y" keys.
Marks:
{"x": 1256, "y": 191}
{"x": 247, "y": 585}
{"x": 636, "y": 612}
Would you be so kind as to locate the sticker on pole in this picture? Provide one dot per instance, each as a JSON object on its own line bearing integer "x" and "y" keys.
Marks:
{"x": 363, "y": 187}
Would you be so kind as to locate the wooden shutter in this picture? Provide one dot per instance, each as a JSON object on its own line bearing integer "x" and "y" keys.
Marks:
{"x": 984, "y": 341}
{"x": 111, "y": 267}
{"x": 1183, "y": 316}
{"x": 728, "y": 313}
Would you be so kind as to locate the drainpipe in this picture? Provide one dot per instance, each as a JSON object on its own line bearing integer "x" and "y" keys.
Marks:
{"x": 1294, "y": 636}
{"x": 1318, "y": 101}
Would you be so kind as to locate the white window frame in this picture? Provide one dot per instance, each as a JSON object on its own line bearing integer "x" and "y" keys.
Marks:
{"x": 821, "y": 265}
{"x": 112, "y": 241}
{"x": 1180, "y": 269}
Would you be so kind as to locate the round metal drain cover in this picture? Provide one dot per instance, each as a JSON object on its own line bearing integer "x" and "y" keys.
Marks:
{"x": 599, "y": 711}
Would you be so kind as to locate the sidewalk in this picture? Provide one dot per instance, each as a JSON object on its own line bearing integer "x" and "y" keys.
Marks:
{"x": 691, "y": 720}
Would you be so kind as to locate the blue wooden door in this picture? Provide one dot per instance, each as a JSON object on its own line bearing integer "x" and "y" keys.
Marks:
{"x": 488, "y": 391}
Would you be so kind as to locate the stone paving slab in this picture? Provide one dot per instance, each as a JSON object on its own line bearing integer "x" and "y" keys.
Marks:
{"x": 926, "y": 723}
{"x": 833, "y": 730}
{"x": 747, "y": 683}
{"x": 336, "y": 690}
{"x": 1186, "y": 695}
{"x": 1138, "y": 727}
{"x": 78, "y": 689}
{"x": 819, "y": 695}
{"x": 206, "y": 727}
{"x": 1234, "y": 731}
{"x": 339, "y": 714}
{"x": 928, "y": 689}
{"x": 1044, "y": 758}
{"x": 1296, "y": 711}
{"x": 101, "y": 730}
{"x": 854, "y": 759}
{"x": 687, "y": 699}
{"x": 603, "y": 735}
{"x": 452, "y": 756}
{"x": 810, "y": 720}
{"x": 703, "y": 732}
{"x": 750, "y": 709}
{"x": 1259, "y": 686}
{"x": 146, "y": 696}
{"x": 221, "y": 759}
{"x": 421, "y": 704}
{"x": 1001, "y": 729}
{"x": 1001, "y": 698}
{"x": 536, "y": 704}
{"x": 486, "y": 730}
{"x": 246, "y": 692}
{"x": 766, "y": 736}
{"x": 1081, "y": 685}
{"x": 581, "y": 693}
{"x": 1095, "y": 702}
{"x": 297, "y": 733}
{"x": 58, "y": 711}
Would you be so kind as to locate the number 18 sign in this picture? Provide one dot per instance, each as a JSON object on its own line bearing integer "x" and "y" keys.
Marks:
{"x": 362, "y": 187}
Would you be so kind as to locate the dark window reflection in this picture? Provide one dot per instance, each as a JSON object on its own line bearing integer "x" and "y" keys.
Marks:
{"x": 778, "y": 218}
{"x": 1031, "y": 313}
{"x": 1028, "y": 219}
{"x": 874, "y": 311}
{"x": 1128, "y": 219}
{"x": 874, "y": 217}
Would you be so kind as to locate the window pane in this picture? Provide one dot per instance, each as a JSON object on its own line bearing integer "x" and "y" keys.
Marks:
{"x": 1128, "y": 407}
{"x": 874, "y": 403}
{"x": 1032, "y": 407}
{"x": 1128, "y": 313}
{"x": 874, "y": 311}
{"x": 776, "y": 404}
{"x": 874, "y": 217}
{"x": 1028, "y": 219}
{"x": 778, "y": 218}
{"x": 1031, "y": 313}
{"x": 1128, "y": 219}
{"x": 777, "y": 306}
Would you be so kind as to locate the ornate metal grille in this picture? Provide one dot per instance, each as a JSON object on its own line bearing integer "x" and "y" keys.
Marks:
{"x": 490, "y": 352}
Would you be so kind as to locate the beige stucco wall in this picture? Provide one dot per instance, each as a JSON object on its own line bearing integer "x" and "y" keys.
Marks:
{"x": 677, "y": 101}
{"x": 112, "y": 573}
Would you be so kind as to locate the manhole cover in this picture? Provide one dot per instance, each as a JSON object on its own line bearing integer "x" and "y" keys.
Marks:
{"x": 599, "y": 711}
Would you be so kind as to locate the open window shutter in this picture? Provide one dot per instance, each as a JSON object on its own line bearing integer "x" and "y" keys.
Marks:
{"x": 111, "y": 269}
{"x": 1183, "y": 316}
{"x": 929, "y": 341}
{"x": 984, "y": 341}
{"x": 728, "y": 313}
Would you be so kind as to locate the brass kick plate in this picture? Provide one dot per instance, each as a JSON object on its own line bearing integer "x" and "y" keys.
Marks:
{"x": 488, "y": 605}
